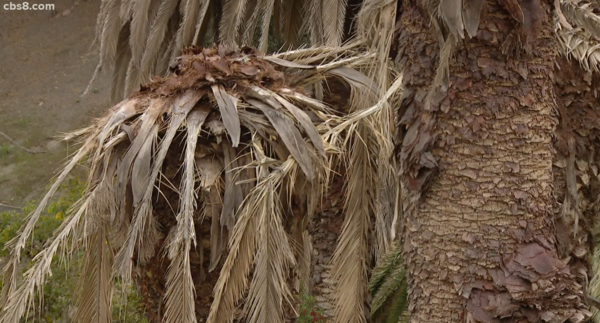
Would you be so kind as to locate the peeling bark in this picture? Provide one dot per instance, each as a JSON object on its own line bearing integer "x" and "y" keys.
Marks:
{"x": 479, "y": 233}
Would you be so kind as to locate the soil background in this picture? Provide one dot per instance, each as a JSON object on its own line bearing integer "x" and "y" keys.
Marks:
{"x": 46, "y": 62}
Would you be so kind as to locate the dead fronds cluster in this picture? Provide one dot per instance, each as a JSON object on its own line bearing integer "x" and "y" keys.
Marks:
{"x": 240, "y": 140}
{"x": 578, "y": 32}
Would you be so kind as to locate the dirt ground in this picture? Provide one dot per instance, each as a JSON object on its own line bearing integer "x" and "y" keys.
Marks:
{"x": 46, "y": 62}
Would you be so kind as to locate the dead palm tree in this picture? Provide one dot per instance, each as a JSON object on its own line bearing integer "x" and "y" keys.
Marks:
{"x": 225, "y": 154}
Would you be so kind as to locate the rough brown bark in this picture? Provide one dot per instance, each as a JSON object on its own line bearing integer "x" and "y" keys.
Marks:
{"x": 479, "y": 237}
{"x": 325, "y": 229}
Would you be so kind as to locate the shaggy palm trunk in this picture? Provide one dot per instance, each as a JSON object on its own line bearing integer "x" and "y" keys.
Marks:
{"x": 479, "y": 235}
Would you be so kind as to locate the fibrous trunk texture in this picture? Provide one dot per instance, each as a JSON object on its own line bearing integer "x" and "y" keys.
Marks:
{"x": 325, "y": 230}
{"x": 479, "y": 237}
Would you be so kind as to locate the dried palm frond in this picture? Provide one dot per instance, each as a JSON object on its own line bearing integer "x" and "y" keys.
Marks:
{"x": 579, "y": 44}
{"x": 582, "y": 13}
{"x": 370, "y": 177}
{"x": 382, "y": 14}
{"x": 227, "y": 135}
{"x": 578, "y": 32}
{"x": 334, "y": 15}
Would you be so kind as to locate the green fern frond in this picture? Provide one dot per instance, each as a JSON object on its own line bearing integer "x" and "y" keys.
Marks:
{"x": 388, "y": 287}
{"x": 389, "y": 263}
{"x": 594, "y": 286}
{"x": 398, "y": 304}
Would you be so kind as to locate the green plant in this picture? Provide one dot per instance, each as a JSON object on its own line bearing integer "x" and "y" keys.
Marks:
{"x": 309, "y": 313}
{"x": 4, "y": 150}
{"x": 388, "y": 286}
{"x": 23, "y": 122}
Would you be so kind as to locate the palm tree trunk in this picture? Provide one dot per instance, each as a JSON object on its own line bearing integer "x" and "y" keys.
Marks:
{"x": 479, "y": 236}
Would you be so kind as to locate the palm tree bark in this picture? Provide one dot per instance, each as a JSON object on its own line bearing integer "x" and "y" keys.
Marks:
{"x": 479, "y": 236}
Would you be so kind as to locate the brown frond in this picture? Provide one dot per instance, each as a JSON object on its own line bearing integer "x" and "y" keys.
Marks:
{"x": 156, "y": 36}
{"x": 350, "y": 268}
{"x": 583, "y": 14}
{"x": 333, "y": 15}
{"x": 193, "y": 15}
{"x": 180, "y": 294}
{"x": 267, "y": 8}
{"x": 233, "y": 13}
{"x": 19, "y": 242}
{"x": 315, "y": 21}
{"x": 269, "y": 289}
{"x": 293, "y": 17}
{"x": 579, "y": 44}
{"x": 139, "y": 30}
{"x": 95, "y": 284}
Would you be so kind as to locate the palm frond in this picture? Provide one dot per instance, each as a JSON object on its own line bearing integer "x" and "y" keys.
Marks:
{"x": 180, "y": 295}
{"x": 315, "y": 21}
{"x": 292, "y": 23}
{"x": 269, "y": 290}
{"x": 139, "y": 30}
{"x": 233, "y": 13}
{"x": 268, "y": 7}
{"x": 583, "y": 14}
{"x": 95, "y": 284}
{"x": 579, "y": 44}
{"x": 388, "y": 287}
{"x": 193, "y": 15}
{"x": 17, "y": 244}
{"x": 334, "y": 15}
{"x": 156, "y": 37}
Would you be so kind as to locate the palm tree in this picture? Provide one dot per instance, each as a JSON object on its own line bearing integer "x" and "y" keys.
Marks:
{"x": 495, "y": 147}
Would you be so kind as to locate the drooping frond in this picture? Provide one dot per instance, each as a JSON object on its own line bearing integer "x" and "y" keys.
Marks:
{"x": 269, "y": 291}
{"x": 180, "y": 294}
{"x": 18, "y": 300}
{"x": 376, "y": 26}
{"x": 334, "y": 15}
{"x": 292, "y": 23}
{"x": 314, "y": 8}
{"x": 194, "y": 15}
{"x": 16, "y": 245}
{"x": 95, "y": 284}
{"x": 233, "y": 12}
{"x": 352, "y": 252}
